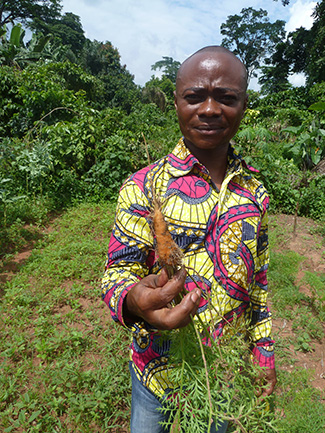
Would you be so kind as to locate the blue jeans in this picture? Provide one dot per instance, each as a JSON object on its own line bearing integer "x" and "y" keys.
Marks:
{"x": 145, "y": 413}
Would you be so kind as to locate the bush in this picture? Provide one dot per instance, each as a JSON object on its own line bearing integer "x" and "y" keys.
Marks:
{"x": 312, "y": 201}
{"x": 105, "y": 178}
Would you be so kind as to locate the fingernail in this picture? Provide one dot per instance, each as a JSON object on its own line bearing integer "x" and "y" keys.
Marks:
{"x": 196, "y": 295}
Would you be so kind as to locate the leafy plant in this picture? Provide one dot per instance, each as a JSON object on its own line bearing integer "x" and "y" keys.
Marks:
{"x": 308, "y": 147}
{"x": 6, "y": 197}
{"x": 36, "y": 164}
{"x": 215, "y": 381}
{"x": 303, "y": 343}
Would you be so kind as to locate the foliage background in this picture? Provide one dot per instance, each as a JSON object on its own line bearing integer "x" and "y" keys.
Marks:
{"x": 74, "y": 125}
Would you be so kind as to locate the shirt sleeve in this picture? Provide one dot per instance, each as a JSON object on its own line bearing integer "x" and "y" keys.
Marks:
{"x": 261, "y": 323}
{"x": 130, "y": 249}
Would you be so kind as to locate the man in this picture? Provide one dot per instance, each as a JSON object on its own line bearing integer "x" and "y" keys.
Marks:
{"x": 216, "y": 213}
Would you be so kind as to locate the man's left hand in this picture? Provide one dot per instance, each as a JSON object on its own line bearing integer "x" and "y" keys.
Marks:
{"x": 268, "y": 378}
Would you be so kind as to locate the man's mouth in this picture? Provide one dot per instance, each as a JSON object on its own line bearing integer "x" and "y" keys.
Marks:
{"x": 209, "y": 128}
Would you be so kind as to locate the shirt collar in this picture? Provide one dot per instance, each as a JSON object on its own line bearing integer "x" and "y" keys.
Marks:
{"x": 181, "y": 161}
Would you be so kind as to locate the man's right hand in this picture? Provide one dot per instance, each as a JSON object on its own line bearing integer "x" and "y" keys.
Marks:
{"x": 150, "y": 300}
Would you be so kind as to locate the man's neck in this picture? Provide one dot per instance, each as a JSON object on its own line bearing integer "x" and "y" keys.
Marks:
{"x": 215, "y": 160}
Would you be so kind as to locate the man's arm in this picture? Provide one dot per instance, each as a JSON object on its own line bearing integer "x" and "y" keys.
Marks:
{"x": 131, "y": 294}
{"x": 263, "y": 351}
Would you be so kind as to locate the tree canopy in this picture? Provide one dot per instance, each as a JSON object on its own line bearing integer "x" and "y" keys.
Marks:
{"x": 252, "y": 37}
{"x": 169, "y": 67}
{"x": 284, "y": 2}
{"x": 315, "y": 68}
{"x": 66, "y": 30}
{"x": 302, "y": 51}
{"x": 12, "y": 11}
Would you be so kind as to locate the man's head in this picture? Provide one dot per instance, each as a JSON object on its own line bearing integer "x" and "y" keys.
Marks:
{"x": 210, "y": 98}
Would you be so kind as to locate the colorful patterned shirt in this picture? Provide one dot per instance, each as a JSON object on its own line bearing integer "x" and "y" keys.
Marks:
{"x": 223, "y": 235}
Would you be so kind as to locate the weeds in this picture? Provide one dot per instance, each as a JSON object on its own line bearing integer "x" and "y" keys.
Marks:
{"x": 216, "y": 382}
{"x": 306, "y": 312}
{"x": 316, "y": 284}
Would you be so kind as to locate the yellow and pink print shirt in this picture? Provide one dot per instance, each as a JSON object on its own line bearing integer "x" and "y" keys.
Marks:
{"x": 223, "y": 235}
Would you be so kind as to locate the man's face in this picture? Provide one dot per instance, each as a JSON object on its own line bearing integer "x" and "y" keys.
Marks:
{"x": 210, "y": 100}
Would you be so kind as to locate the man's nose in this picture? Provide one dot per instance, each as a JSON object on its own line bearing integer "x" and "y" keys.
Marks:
{"x": 209, "y": 107}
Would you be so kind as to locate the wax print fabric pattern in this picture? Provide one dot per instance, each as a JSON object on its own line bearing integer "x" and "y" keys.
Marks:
{"x": 223, "y": 235}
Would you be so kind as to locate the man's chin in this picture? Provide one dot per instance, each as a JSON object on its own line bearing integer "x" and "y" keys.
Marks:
{"x": 209, "y": 142}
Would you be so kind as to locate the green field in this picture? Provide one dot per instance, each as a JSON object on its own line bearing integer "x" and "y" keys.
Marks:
{"x": 64, "y": 363}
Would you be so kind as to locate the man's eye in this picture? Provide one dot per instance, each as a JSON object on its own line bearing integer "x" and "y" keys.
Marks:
{"x": 193, "y": 98}
{"x": 228, "y": 99}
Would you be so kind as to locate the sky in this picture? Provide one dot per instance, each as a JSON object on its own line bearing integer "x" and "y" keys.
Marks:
{"x": 144, "y": 31}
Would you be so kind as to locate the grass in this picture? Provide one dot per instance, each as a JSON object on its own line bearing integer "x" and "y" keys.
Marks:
{"x": 63, "y": 366}
{"x": 282, "y": 274}
{"x": 302, "y": 406}
{"x": 65, "y": 363}
{"x": 22, "y": 222}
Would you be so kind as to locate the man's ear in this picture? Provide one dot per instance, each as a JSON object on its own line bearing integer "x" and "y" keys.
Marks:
{"x": 245, "y": 105}
{"x": 175, "y": 100}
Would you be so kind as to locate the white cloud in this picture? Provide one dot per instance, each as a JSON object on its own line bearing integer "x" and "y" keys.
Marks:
{"x": 297, "y": 79}
{"x": 300, "y": 15}
{"x": 146, "y": 30}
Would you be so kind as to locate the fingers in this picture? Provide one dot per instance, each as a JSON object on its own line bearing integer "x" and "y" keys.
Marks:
{"x": 180, "y": 315}
{"x": 161, "y": 279}
{"x": 151, "y": 297}
{"x": 167, "y": 289}
{"x": 270, "y": 379}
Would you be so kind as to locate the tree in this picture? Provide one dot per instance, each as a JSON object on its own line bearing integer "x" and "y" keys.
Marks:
{"x": 274, "y": 77}
{"x": 99, "y": 58}
{"x": 103, "y": 61}
{"x": 284, "y": 2}
{"x": 296, "y": 52}
{"x": 160, "y": 91}
{"x": 66, "y": 30}
{"x": 9, "y": 49}
{"x": 154, "y": 95}
{"x": 316, "y": 63}
{"x": 252, "y": 37}
{"x": 302, "y": 51}
{"x": 12, "y": 11}
{"x": 169, "y": 67}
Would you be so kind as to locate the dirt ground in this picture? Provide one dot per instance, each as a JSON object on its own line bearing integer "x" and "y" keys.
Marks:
{"x": 307, "y": 242}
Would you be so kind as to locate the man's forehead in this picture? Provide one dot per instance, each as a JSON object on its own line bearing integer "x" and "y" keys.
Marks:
{"x": 209, "y": 61}
{"x": 205, "y": 63}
